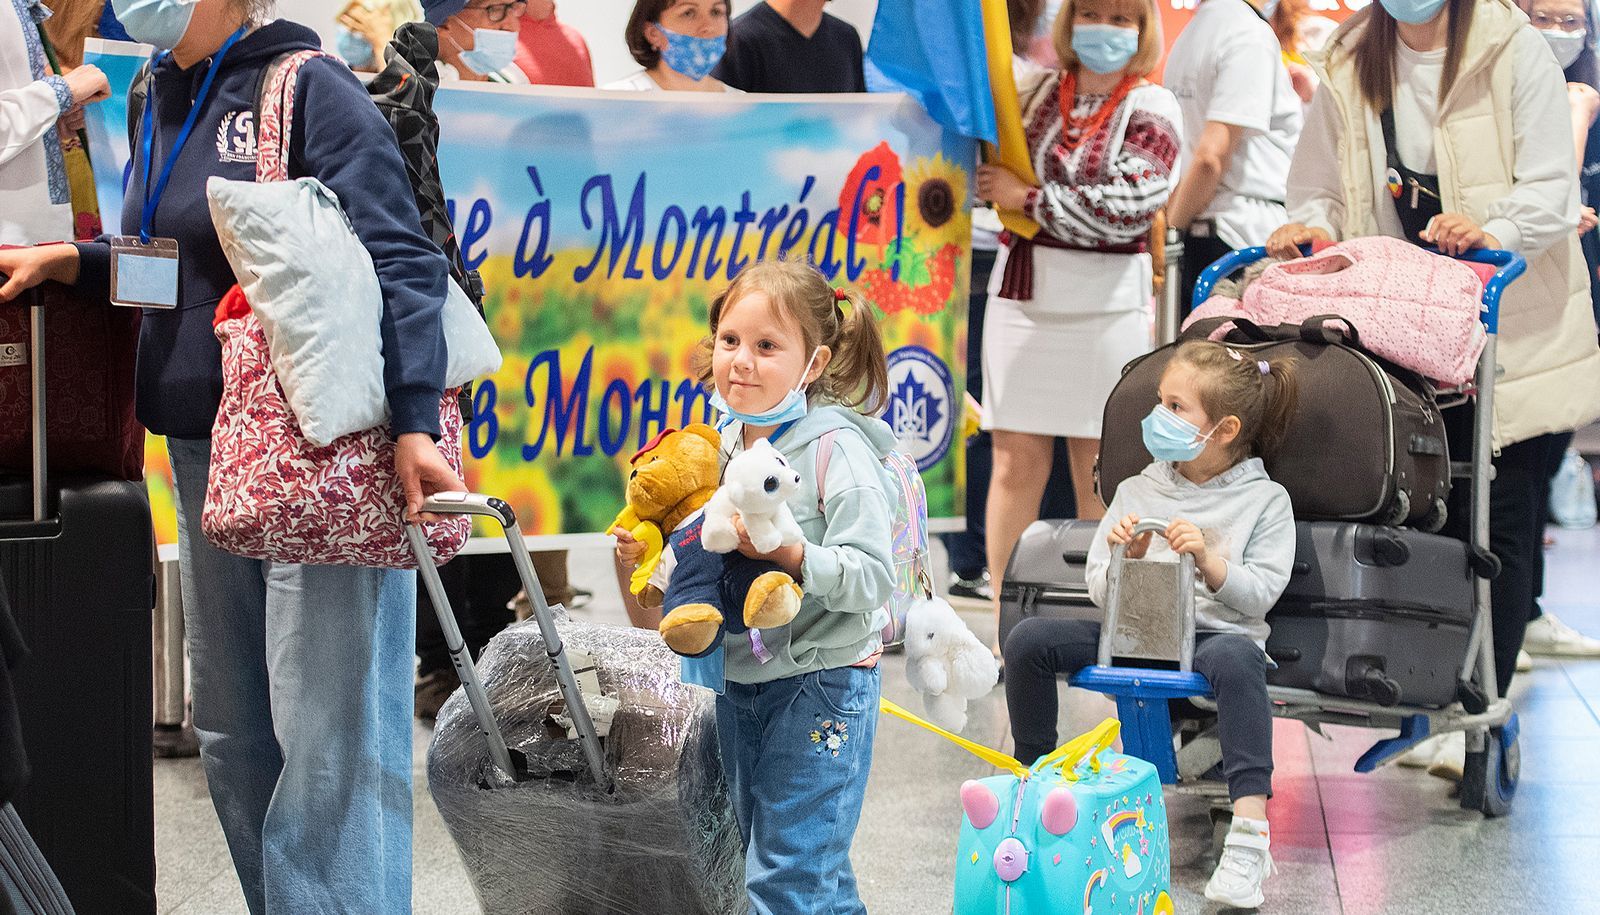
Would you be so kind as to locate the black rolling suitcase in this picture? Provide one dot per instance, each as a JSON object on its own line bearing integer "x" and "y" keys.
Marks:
{"x": 1373, "y": 613}
{"x": 1045, "y": 575}
{"x": 78, "y": 565}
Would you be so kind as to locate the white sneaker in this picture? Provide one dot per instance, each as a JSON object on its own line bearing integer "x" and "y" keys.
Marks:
{"x": 1451, "y": 762}
{"x": 1422, "y": 755}
{"x": 1524, "y": 661}
{"x": 1550, "y": 637}
{"x": 1246, "y": 864}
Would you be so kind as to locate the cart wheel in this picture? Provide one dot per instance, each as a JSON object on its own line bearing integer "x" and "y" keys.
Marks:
{"x": 1434, "y": 520}
{"x": 1489, "y": 782}
{"x": 1402, "y": 509}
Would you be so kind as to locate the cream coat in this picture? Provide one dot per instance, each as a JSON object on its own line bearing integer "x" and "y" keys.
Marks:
{"x": 1549, "y": 364}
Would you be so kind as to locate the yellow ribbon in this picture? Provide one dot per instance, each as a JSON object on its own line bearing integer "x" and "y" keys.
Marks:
{"x": 1066, "y": 757}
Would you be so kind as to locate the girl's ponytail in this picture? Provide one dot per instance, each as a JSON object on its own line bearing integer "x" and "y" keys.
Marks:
{"x": 858, "y": 376}
{"x": 1279, "y": 399}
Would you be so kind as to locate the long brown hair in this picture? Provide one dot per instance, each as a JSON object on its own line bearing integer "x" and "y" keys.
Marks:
{"x": 1376, "y": 47}
{"x": 858, "y": 374}
{"x": 1234, "y": 384}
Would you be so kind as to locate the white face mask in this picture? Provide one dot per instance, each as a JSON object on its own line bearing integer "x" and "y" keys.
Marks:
{"x": 1566, "y": 45}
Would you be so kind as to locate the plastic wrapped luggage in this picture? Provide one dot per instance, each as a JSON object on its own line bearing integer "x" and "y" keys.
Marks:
{"x": 613, "y": 803}
{"x": 1391, "y": 464}
{"x": 1373, "y": 613}
{"x": 1045, "y": 575}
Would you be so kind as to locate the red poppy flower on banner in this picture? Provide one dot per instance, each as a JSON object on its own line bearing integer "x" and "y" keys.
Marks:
{"x": 877, "y": 219}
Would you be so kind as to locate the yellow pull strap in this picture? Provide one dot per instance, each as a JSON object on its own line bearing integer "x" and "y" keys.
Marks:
{"x": 1072, "y": 753}
{"x": 993, "y": 757}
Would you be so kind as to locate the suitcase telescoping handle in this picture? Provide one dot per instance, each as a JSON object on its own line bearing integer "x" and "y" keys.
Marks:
{"x": 37, "y": 524}
{"x": 510, "y": 761}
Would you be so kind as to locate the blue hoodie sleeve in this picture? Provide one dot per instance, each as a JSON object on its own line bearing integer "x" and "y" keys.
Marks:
{"x": 342, "y": 140}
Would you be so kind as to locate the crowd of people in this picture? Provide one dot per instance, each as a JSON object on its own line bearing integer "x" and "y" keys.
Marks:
{"x": 1428, "y": 120}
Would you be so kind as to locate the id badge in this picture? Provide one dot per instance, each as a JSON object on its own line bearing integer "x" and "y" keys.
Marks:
{"x": 144, "y": 274}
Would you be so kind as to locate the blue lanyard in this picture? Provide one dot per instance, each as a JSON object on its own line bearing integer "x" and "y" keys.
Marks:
{"x": 152, "y": 198}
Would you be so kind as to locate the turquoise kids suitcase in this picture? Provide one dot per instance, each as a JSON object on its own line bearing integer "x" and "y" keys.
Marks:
{"x": 1082, "y": 826}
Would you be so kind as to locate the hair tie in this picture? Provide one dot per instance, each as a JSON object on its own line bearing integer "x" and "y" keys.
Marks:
{"x": 1235, "y": 354}
{"x": 839, "y": 295}
{"x": 1264, "y": 367}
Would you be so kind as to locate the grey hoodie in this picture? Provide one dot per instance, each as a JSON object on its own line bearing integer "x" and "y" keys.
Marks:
{"x": 1243, "y": 514}
{"x": 848, "y": 570}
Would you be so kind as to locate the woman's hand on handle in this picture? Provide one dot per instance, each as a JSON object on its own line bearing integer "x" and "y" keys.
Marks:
{"x": 22, "y": 269}
{"x": 423, "y": 471}
{"x": 1001, "y": 186}
{"x": 1454, "y": 235}
{"x": 1284, "y": 244}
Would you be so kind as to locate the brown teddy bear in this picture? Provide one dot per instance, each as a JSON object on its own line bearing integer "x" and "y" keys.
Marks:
{"x": 673, "y": 477}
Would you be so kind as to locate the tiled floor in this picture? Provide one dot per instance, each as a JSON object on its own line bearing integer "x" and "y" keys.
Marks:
{"x": 1388, "y": 842}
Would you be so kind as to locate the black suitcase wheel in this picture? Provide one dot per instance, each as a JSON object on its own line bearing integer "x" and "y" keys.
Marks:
{"x": 1434, "y": 520}
{"x": 1489, "y": 781}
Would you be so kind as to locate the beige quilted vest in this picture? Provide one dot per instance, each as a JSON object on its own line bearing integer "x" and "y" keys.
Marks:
{"x": 1549, "y": 364}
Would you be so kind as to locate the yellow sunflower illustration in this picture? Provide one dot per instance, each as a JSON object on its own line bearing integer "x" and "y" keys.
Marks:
{"x": 936, "y": 193}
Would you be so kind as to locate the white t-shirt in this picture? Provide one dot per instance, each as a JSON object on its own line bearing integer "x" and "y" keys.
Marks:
{"x": 511, "y": 75}
{"x": 1226, "y": 66}
{"x": 641, "y": 82}
{"x": 1416, "y": 105}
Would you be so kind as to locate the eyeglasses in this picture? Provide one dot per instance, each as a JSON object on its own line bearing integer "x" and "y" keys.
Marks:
{"x": 496, "y": 13}
{"x": 1564, "y": 23}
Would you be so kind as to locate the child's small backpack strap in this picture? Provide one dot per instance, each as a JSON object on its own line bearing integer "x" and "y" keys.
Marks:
{"x": 824, "y": 455}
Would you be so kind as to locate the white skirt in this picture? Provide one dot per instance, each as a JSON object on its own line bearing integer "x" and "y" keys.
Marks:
{"x": 1050, "y": 364}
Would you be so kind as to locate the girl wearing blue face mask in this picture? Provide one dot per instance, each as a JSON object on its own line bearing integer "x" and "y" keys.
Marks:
{"x": 792, "y": 361}
{"x": 1446, "y": 122}
{"x": 678, "y": 43}
{"x": 1220, "y": 413}
{"x": 1104, "y": 142}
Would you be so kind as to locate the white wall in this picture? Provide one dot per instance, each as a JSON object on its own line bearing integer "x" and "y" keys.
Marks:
{"x": 600, "y": 21}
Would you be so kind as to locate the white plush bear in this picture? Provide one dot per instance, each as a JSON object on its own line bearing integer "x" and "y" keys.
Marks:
{"x": 756, "y": 486}
{"x": 946, "y": 663}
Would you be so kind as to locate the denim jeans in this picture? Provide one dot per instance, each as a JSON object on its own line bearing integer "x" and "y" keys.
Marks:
{"x": 302, "y": 683}
{"x": 797, "y": 752}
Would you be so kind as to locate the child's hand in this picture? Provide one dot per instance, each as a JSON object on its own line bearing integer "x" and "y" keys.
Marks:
{"x": 1123, "y": 534}
{"x": 1184, "y": 537}
{"x": 629, "y": 550}
{"x": 788, "y": 558}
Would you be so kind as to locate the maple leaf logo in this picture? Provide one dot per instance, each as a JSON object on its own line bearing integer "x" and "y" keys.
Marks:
{"x": 914, "y": 412}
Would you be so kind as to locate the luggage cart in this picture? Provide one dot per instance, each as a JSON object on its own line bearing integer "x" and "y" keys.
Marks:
{"x": 1493, "y": 760}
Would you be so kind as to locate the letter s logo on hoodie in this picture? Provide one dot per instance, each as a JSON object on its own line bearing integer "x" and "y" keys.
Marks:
{"x": 236, "y": 137}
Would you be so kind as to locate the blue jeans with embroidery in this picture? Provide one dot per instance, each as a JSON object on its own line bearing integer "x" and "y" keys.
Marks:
{"x": 302, "y": 679}
{"x": 797, "y": 752}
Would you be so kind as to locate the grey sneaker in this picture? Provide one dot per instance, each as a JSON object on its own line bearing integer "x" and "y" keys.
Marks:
{"x": 1246, "y": 864}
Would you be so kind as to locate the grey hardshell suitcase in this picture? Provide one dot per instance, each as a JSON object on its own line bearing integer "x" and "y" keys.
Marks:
{"x": 1374, "y": 613}
{"x": 1046, "y": 575}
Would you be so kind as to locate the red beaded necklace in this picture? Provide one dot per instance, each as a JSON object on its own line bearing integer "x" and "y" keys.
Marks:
{"x": 1075, "y": 130}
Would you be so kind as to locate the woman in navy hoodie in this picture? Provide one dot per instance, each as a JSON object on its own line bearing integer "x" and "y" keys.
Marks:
{"x": 302, "y": 674}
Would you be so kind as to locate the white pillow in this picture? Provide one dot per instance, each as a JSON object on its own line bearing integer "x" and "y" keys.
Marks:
{"x": 313, "y": 287}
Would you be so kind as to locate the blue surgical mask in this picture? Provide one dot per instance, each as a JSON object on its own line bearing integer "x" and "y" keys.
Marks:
{"x": 356, "y": 51}
{"x": 1170, "y": 437}
{"x": 1104, "y": 48}
{"x": 692, "y": 56}
{"x": 492, "y": 51}
{"x": 1412, "y": 12}
{"x": 157, "y": 22}
{"x": 791, "y": 408}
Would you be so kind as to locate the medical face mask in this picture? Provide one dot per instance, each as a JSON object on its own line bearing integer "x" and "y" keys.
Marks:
{"x": 1170, "y": 437}
{"x": 157, "y": 22}
{"x": 492, "y": 51}
{"x": 791, "y": 408}
{"x": 356, "y": 50}
{"x": 1104, "y": 48}
{"x": 1566, "y": 45}
{"x": 1413, "y": 12}
{"x": 692, "y": 56}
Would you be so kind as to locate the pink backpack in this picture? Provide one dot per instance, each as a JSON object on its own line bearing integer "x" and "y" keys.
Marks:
{"x": 1412, "y": 307}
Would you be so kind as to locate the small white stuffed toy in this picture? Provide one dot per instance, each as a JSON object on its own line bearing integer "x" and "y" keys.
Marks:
{"x": 946, "y": 663}
{"x": 756, "y": 486}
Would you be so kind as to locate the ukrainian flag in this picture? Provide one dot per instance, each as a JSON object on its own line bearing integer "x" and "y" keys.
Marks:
{"x": 954, "y": 57}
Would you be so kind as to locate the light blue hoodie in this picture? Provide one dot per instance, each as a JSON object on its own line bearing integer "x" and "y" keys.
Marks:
{"x": 848, "y": 570}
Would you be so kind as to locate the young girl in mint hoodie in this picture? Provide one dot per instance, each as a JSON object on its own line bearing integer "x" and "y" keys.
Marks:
{"x": 793, "y": 360}
{"x": 1221, "y": 411}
